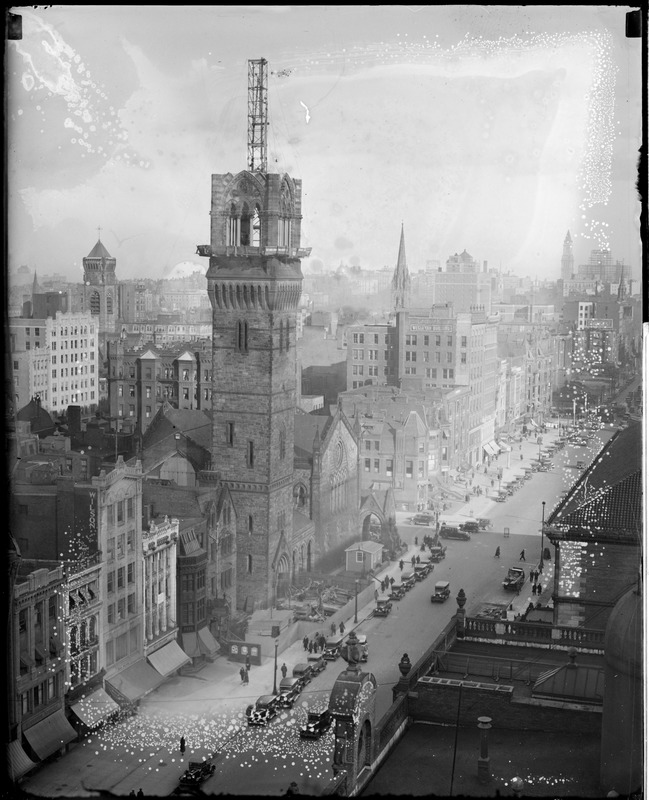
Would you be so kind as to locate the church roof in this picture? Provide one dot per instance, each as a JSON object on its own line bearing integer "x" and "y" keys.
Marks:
{"x": 38, "y": 418}
{"x": 99, "y": 251}
{"x": 306, "y": 427}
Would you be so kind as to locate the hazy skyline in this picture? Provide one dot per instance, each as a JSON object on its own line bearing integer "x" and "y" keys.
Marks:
{"x": 493, "y": 129}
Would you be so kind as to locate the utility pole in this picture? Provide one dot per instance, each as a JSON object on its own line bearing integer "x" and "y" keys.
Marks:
{"x": 257, "y": 114}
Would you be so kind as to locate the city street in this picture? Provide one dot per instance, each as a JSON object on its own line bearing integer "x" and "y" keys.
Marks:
{"x": 209, "y": 709}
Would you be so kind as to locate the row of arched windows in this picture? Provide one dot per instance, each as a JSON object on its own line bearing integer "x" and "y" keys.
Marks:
{"x": 95, "y": 303}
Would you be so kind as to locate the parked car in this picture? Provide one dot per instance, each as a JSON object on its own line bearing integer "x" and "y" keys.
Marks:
{"x": 437, "y": 553}
{"x": 515, "y": 580}
{"x": 264, "y": 710}
{"x": 397, "y": 592}
{"x": 317, "y": 723}
{"x": 289, "y": 691}
{"x": 502, "y": 496}
{"x": 332, "y": 647}
{"x": 303, "y": 672}
{"x": 470, "y": 526}
{"x": 408, "y": 580}
{"x": 442, "y": 592}
{"x": 317, "y": 663}
{"x": 196, "y": 773}
{"x": 383, "y": 608}
{"x": 447, "y": 532}
{"x": 484, "y": 523}
{"x": 424, "y": 518}
{"x": 422, "y": 570}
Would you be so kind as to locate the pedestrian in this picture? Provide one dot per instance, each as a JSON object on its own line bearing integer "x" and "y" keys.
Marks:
{"x": 521, "y": 456}
{"x": 522, "y": 556}
{"x": 284, "y": 670}
{"x": 341, "y": 627}
{"x": 391, "y": 581}
{"x": 333, "y": 629}
{"x": 246, "y": 677}
{"x": 536, "y": 576}
{"x": 323, "y": 641}
{"x": 497, "y": 553}
{"x": 247, "y": 663}
{"x": 310, "y": 647}
{"x": 413, "y": 561}
{"x": 305, "y": 642}
{"x": 418, "y": 560}
{"x": 401, "y": 565}
{"x": 242, "y": 673}
{"x": 376, "y": 595}
{"x": 182, "y": 745}
{"x": 416, "y": 541}
{"x": 539, "y": 588}
{"x": 492, "y": 483}
{"x": 531, "y": 576}
{"x": 140, "y": 793}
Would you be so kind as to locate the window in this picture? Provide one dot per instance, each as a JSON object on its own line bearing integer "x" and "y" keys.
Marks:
{"x": 241, "y": 343}
{"x": 131, "y": 603}
{"x": 229, "y": 433}
{"x": 282, "y": 444}
{"x": 120, "y": 578}
{"x": 250, "y": 455}
{"x": 130, "y": 572}
{"x": 408, "y": 469}
{"x": 388, "y": 467}
{"x": 463, "y": 341}
{"x": 111, "y": 613}
{"x": 368, "y": 464}
{"x": 420, "y": 469}
{"x": 131, "y": 411}
{"x": 249, "y": 564}
{"x": 148, "y": 392}
{"x": 449, "y": 357}
{"x": 130, "y": 541}
{"x": 250, "y": 524}
{"x": 449, "y": 341}
{"x": 431, "y": 373}
{"x": 411, "y": 339}
{"x": 121, "y": 541}
{"x": 359, "y": 556}
{"x": 121, "y": 609}
{"x": 120, "y": 512}
{"x": 376, "y": 465}
{"x": 110, "y": 582}
{"x": 147, "y": 412}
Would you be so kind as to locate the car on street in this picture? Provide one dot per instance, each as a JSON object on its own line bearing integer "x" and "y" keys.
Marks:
{"x": 196, "y": 773}
{"x": 263, "y": 711}
{"x": 332, "y": 647}
{"x": 442, "y": 592}
{"x": 437, "y": 553}
{"x": 422, "y": 570}
{"x": 424, "y": 518}
{"x": 383, "y": 608}
{"x": 448, "y": 532}
{"x": 397, "y": 592}
{"x": 317, "y": 663}
{"x": 289, "y": 691}
{"x": 484, "y": 523}
{"x": 303, "y": 672}
{"x": 408, "y": 580}
{"x": 470, "y": 526}
{"x": 362, "y": 646}
{"x": 515, "y": 580}
{"x": 317, "y": 724}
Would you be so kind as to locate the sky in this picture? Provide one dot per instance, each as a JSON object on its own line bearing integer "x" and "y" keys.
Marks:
{"x": 494, "y": 129}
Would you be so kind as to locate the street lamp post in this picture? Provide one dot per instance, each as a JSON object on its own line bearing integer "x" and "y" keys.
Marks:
{"x": 356, "y": 603}
{"x": 542, "y": 532}
{"x": 275, "y": 670}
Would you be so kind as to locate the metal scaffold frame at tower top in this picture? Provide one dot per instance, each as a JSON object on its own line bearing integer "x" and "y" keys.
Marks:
{"x": 257, "y": 114}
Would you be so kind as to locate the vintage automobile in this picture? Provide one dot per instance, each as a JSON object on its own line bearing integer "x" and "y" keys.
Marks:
{"x": 332, "y": 647}
{"x": 441, "y": 593}
{"x": 515, "y": 580}
{"x": 437, "y": 553}
{"x": 397, "y": 592}
{"x": 408, "y": 580}
{"x": 363, "y": 646}
{"x": 448, "y": 532}
{"x": 470, "y": 526}
{"x": 289, "y": 690}
{"x": 502, "y": 496}
{"x": 317, "y": 663}
{"x": 383, "y": 608}
{"x": 264, "y": 710}
{"x": 424, "y": 518}
{"x": 317, "y": 723}
{"x": 422, "y": 570}
{"x": 303, "y": 672}
{"x": 196, "y": 773}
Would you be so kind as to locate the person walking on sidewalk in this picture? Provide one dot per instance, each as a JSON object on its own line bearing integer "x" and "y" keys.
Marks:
{"x": 341, "y": 627}
{"x": 242, "y": 673}
{"x": 416, "y": 541}
{"x": 401, "y": 565}
{"x": 247, "y": 663}
{"x": 531, "y": 576}
{"x": 413, "y": 561}
{"x": 522, "y": 556}
{"x": 497, "y": 553}
{"x": 310, "y": 647}
{"x": 246, "y": 677}
{"x": 284, "y": 670}
{"x": 333, "y": 628}
{"x": 305, "y": 642}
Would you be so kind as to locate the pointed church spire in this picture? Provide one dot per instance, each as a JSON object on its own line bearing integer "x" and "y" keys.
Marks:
{"x": 621, "y": 287}
{"x": 36, "y": 289}
{"x": 401, "y": 277}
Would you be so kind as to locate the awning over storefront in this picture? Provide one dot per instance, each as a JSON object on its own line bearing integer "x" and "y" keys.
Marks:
{"x": 532, "y": 424}
{"x": 136, "y": 681}
{"x": 491, "y": 449}
{"x": 200, "y": 644}
{"x": 207, "y": 642}
{"x": 168, "y": 659}
{"x": 95, "y": 708}
{"x": 18, "y": 760}
{"x": 50, "y": 734}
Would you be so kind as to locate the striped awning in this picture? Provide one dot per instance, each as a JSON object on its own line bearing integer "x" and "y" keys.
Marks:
{"x": 168, "y": 659}
{"x": 95, "y": 708}
{"x": 18, "y": 760}
{"x": 50, "y": 734}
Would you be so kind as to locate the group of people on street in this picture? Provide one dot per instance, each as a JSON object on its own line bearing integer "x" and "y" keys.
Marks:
{"x": 245, "y": 669}
{"x": 537, "y": 588}
{"x": 316, "y": 644}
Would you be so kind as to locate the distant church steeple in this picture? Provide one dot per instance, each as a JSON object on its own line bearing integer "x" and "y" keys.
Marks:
{"x": 567, "y": 259}
{"x": 36, "y": 288}
{"x": 401, "y": 277}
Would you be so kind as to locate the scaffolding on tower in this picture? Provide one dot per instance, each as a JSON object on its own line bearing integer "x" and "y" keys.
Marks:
{"x": 257, "y": 114}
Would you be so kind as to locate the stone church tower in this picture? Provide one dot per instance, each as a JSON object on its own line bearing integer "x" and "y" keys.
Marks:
{"x": 254, "y": 284}
{"x": 100, "y": 288}
{"x": 567, "y": 259}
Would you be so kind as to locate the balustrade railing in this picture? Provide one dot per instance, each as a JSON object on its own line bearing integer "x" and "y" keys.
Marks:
{"x": 555, "y": 635}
